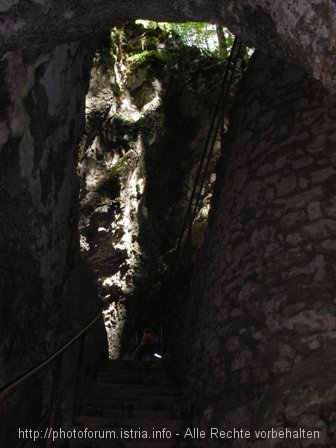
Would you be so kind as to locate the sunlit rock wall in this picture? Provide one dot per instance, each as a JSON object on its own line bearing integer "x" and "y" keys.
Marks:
{"x": 149, "y": 108}
{"x": 45, "y": 290}
{"x": 258, "y": 334}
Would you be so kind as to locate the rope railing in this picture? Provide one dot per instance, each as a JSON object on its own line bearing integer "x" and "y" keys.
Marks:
{"x": 202, "y": 170}
{"x": 225, "y": 90}
{"x": 56, "y": 393}
{"x": 216, "y": 124}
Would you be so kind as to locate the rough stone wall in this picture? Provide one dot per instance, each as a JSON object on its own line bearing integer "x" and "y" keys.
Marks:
{"x": 147, "y": 123}
{"x": 302, "y": 29}
{"x": 44, "y": 286}
{"x": 259, "y": 330}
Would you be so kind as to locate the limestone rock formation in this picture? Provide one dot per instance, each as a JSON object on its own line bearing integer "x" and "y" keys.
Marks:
{"x": 255, "y": 343}
{"x": 46, "y": 289}
{"x": 300, "y": 29}
{"x": 148, "y": 112}
{"x": 260, "y": 322}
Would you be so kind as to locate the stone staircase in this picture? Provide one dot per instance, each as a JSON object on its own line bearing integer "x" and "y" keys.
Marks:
{"x": 133, "y": 404}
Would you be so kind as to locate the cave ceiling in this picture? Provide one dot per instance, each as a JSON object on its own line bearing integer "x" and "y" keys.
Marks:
{"x": 300, "y": 29}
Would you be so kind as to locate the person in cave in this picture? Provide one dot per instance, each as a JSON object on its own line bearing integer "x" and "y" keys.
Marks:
{"x": 147, "y": 347}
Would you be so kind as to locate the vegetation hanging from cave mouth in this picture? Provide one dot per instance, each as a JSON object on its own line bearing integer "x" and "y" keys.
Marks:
{"x": 149, "y": 109}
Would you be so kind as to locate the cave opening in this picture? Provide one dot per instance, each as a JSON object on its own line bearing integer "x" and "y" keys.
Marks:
{"x": 147, "y": 164}
{"x": 252, "y": 340}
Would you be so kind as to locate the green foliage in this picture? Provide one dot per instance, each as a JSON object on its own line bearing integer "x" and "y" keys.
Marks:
{"x": 103, "y": 53}
{"x": 148, "y": 56}
{"x": 213, "y": 40}
{"x": 200, "y": 34}
{"x": 116, "y": 89}
{"x": 111, "y": 178}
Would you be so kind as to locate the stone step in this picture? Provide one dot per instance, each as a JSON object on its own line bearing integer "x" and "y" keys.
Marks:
{"x": 115, "y": 423}
{"x": 146, "y": 403}
{"x": 133, "y": 366}
{"x": 131, "y": 398}
{"x": 134, "y": 390}
{"x": 159, "y": 370}
{"x": 126, "y": 443}
{"x": 121, "y": 414}
{"x": 133, "y": 378}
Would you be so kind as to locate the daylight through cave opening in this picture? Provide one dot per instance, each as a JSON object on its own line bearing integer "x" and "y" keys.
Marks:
{"x": 150, "y": 114}
{"x": 253, "y": 342}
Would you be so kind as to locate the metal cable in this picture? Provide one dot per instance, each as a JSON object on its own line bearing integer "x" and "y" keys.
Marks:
{"x": 191, "y": 212}
{"x": 223, "y": 100}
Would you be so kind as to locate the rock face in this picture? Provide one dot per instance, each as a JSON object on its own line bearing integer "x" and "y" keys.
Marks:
{"x": 259, "y": 345}
{"x": 255, "y": 341}
{"x": 300, "y": 29}
{"x": 149, "y": 109}
{"x": 43, "y": 282}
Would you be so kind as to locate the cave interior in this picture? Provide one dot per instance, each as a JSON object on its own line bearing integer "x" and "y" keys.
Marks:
{"x": 100, "y": 173}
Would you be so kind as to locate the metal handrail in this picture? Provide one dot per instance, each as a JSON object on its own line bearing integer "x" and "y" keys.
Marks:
{"x": 19, "y": 381}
